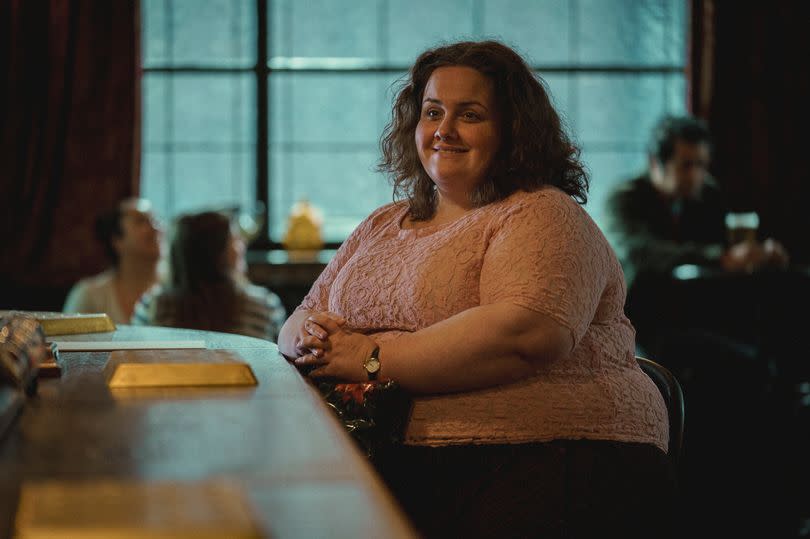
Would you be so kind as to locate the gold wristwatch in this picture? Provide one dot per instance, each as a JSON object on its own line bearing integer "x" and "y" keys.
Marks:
{"x": 372, "y": 364}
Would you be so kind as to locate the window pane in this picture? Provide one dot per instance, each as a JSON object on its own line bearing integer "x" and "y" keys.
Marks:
{"x": 212, "y": 108}
{"x": 675, "y": 31}
{"x": 155, "y": 184}
{"x": 622, "y": 32}
{"x": 214, "y": 32}
{"x": 327, "y": 107}
{"x": 419, "y": 24}
{"x": 154, "y": 34}
{"x": 608, "y": 169}
{"x": 676, "y": 93}
{"x": 342, "y": 184}
{"x": 199, "y": 140}
{"x": 538, "y": 28}
{"x": 618, "y": 110}
{"x": 324, "y": 138}
{"x": 323, "y": 28}
{"x": 156, "y": 107}
{"x": 205, "y": 179}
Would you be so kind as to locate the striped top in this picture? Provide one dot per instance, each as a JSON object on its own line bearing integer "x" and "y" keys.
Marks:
{"x": 260, "y": 312}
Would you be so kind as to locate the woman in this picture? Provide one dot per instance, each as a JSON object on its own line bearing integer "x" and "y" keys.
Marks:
{"x": 208, "y": 289}
{"x": 131, "y": 237}
{"x": 490, "y": 289}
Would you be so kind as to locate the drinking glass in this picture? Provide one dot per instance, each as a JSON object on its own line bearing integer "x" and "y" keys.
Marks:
{"x": 250, "y": 218}
{"x": 741, "y": 227}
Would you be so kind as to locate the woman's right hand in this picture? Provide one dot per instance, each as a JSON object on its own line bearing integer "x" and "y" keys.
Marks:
{"x": 313, "y": 334}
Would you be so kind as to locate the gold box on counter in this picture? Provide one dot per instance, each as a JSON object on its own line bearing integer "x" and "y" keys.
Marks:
{"x": 134, "y": 510}
{"x": 55, "y": 323}
{"x": 173, "y": 368}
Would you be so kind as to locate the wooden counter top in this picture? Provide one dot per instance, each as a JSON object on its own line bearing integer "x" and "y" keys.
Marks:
{"x": 298, "y": 467}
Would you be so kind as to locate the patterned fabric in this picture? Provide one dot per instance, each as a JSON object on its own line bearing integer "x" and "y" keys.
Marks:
{"x": 96, "y": 295}
{"x": 539, "y": 250}
{"x": 261, "y": 312}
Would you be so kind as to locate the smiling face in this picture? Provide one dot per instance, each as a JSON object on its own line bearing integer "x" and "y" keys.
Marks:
{"x": 458, "y": 134}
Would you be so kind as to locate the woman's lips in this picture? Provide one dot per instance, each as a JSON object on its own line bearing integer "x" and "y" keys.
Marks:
{"x": 449, "y": 149}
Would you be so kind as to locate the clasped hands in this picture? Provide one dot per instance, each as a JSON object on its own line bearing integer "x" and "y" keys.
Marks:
{"x": 326, "y": 345}
{"x": 750, "y": 256}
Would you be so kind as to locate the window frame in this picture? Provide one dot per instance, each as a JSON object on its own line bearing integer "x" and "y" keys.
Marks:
{"x": 265, "y": 67}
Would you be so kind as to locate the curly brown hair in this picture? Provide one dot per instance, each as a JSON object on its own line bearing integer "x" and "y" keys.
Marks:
{"x": 535, "y": 150}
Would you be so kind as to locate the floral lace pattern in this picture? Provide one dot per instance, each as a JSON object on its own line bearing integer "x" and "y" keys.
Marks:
{"x": 539, "y": 250}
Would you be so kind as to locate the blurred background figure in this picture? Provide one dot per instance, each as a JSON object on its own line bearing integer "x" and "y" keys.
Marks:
{"x": 131, "y": 237}
{"x": 207, "y": 287}
{"x": 674, "y": 217}
{"x": 674, "y": 213}
{"x": 697, "y": 296}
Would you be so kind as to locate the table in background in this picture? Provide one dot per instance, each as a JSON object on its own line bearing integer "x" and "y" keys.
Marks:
{"x": 288, "y": 275}
{"x": 766, "y": 309}
{"x": 737, "y": 343}
{"x": 300, "y": 470}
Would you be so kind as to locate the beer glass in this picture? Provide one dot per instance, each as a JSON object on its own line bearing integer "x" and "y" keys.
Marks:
{"x": 741, "y": 227}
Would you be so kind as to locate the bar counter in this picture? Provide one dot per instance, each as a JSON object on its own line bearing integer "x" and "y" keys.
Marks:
{"x": 300, "y": 471}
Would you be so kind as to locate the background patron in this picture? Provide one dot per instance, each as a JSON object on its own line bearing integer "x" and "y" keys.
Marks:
{"x": 207, "y": 287}
{"x": 131, "y": 237}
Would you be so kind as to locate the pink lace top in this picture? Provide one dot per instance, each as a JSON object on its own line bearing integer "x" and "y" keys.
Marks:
{"x": 539, "y": 250}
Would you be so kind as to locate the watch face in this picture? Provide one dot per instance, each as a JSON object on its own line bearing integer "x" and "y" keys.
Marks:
{"x": 372, "y": 365}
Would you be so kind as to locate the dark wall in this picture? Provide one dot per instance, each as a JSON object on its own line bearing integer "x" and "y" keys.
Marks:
{"x": 751, "y": 81}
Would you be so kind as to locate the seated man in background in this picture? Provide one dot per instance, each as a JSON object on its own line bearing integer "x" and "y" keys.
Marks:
{"x": 131, "y": 237}
{"x": 675, "y": 214}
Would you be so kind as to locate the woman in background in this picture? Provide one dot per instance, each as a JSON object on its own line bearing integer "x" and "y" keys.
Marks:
{"x": 207, "y": 287}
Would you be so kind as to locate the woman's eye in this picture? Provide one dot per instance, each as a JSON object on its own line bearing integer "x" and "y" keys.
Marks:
{"x": 432, "y": 113}
{"x": 473, "y": 116}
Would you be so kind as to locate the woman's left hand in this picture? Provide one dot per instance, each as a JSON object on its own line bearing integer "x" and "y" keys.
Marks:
{"x": 343, "y": 358}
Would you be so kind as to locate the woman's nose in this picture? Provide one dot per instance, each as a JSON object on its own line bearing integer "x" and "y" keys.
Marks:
{"x": 445, "y": 131}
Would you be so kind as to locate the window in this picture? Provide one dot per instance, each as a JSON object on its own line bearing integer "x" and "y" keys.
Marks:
{"x": 281, "y": 100}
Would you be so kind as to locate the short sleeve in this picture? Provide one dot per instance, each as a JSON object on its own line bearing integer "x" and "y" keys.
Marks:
{"x": 548, "y": 256}
{"x": 79, "y": 300}
{"x": 318, "y": 297}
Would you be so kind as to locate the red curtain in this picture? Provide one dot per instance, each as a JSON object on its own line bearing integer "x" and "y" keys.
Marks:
{"x": 749, "y": 78}
{"x": 69, "y": 138}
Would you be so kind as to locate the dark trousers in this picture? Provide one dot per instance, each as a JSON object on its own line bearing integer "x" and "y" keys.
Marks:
{"x": 566, "y": 488}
